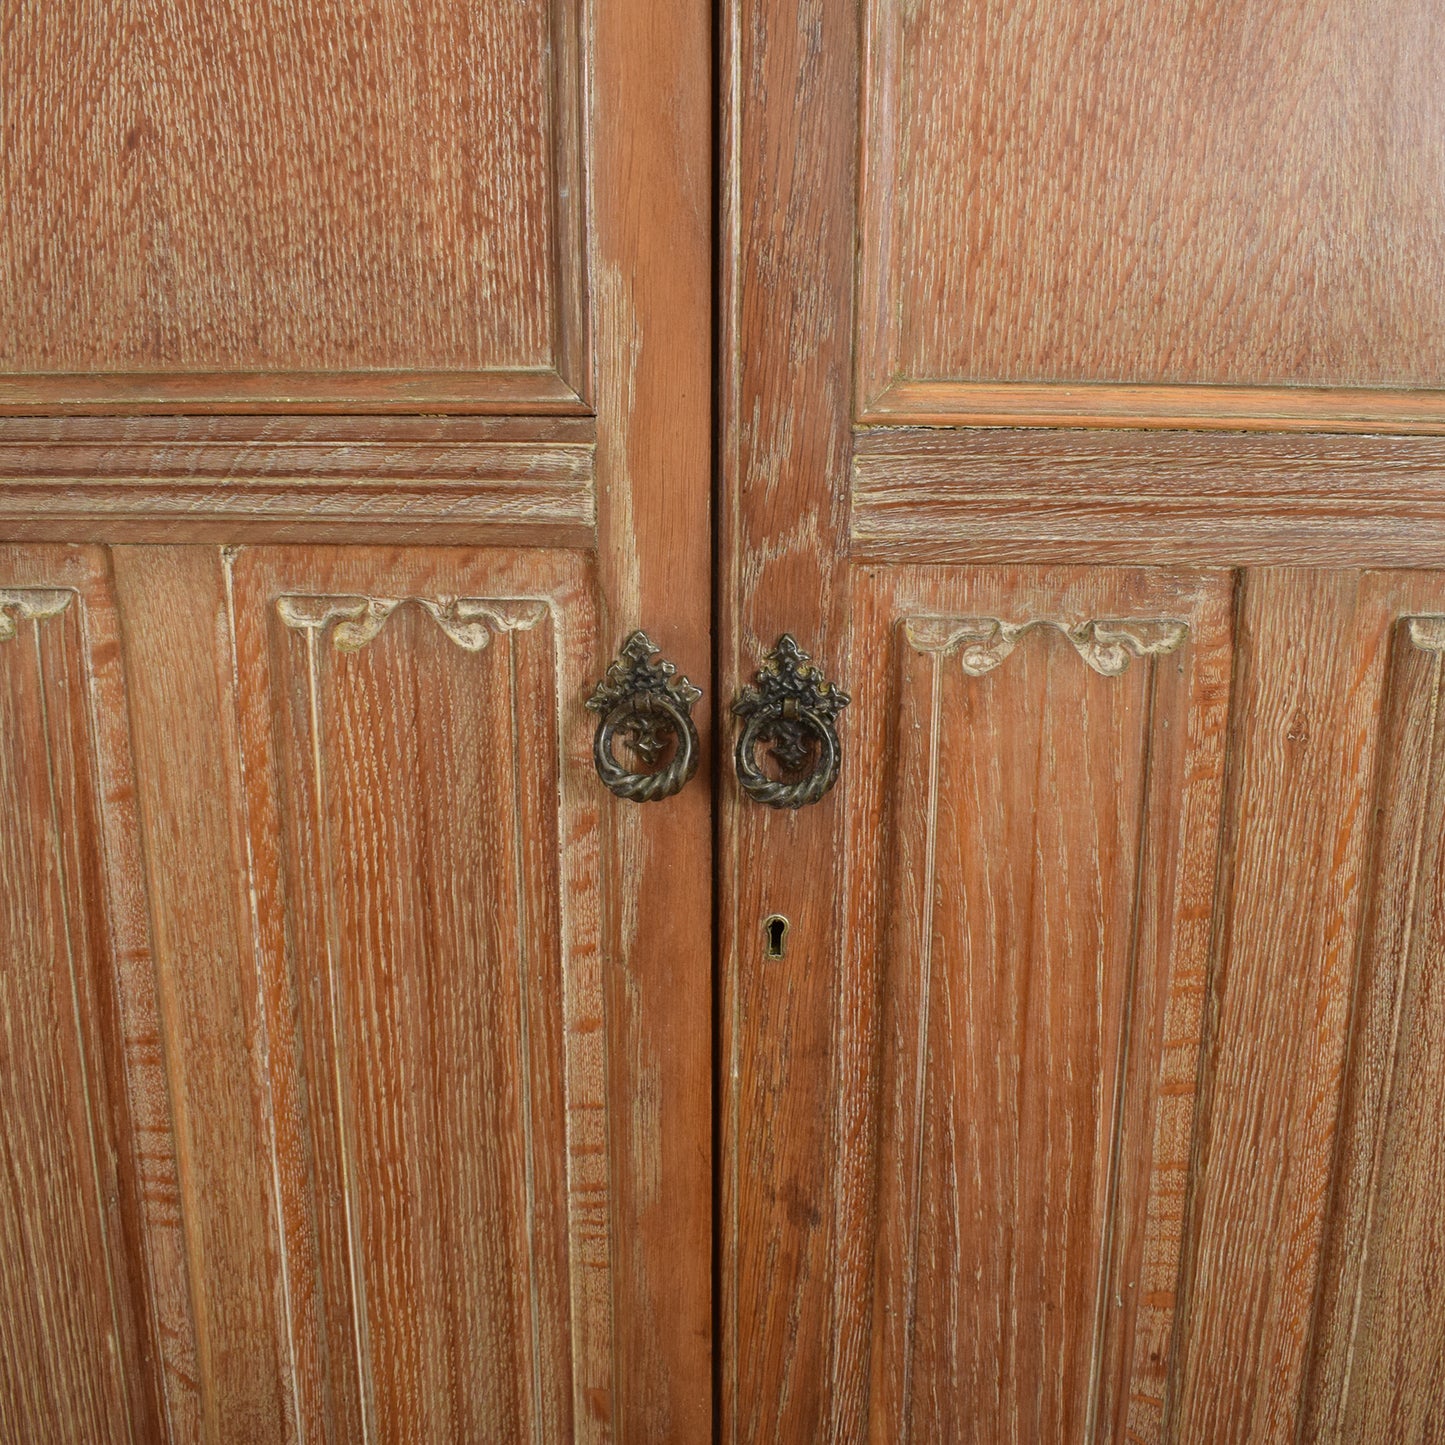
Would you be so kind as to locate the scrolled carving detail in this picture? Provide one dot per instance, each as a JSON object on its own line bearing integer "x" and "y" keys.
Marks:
{"x": 353, "y": 621}
{"x": 1108, "y": 645}
{"x": 1427, "y": 632}
{"x": 30, "y": 604}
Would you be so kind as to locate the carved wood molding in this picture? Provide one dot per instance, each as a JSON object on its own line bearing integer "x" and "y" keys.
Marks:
{"x": 1107, "y": 645}
{"x": 1427, "y": 633}
{"x": 470, "y": 622}
{"x": 30, "y": 604}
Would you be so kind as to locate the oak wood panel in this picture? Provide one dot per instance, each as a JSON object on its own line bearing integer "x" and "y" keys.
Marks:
{"x": 1154, "y": 202}
{"x": 181, "y": 690}
{"x": 523, "y": 481}
{"x": 1121, "y": 497}
{"x": 1305, "y": 743}
{"x": 422, "y": 821}
{"x": 94, "y": 1309}
{"x": 652, "y": 84}
{"x": 1379, "y": 1355}
{"x": 1031, "y": 868}
{"x": 283, "y": 208}
{"x": 792, "y": 1320}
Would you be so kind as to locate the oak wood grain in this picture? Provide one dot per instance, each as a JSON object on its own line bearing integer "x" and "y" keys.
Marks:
{"x": 1377, "y": 1355}
{"x": 219, "y": 479}
{"x": 1419, "y": 411}
{"x": 181, "y": 697}
{"x": 97, "y": 1336}
{"x": 432, "y": 987}
{"x": 285, "y": 209}
{"x": 1306, "y": 738}
{"x": 1030, "y": 874}
{"x": 652, "y": 87}
{"x": 1135, "y": 198}
{"x": 794, "y": 1308}
{"x": 1233, "y": 500}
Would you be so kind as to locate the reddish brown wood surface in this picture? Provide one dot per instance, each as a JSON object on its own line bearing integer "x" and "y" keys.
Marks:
{"x": 1030, "y": 878}
{"x": 1306, "y": 736}
{"x": 182, "y": 692}
{"x": 1377, "y": 1358}
{"x": 1148, "y": 497}
{"x": 791, "y": 1363}
{"x": 1063, "y": 224}
{"x": 431, "y": 987}
{"x": 97, "y": 1335}
{"x": 291, "y": 209}
{"x": 652, "y": 67}
{"x": 501, "y": 210}
{"x": 527, "y": 481}
{"x": 1154, "y": 203}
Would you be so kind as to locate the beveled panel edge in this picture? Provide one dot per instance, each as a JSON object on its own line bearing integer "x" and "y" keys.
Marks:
{"x": 570, "y": 196}
{"x": 908, "y": 401}
{"x": 394, "y": 480}
{"x": 1223, "y": 499}
{"x": 541, "y": 391}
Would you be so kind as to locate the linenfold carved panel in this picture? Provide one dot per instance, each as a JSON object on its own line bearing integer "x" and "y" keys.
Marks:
{"x": 1052, "y": 830}
{"x": 97, "y": 1338}
{"x": 1427, "y": 633}
{"x": 1379, "y": 1351}
{"x": 423, "y": 826}
{"x": 29, "y": 604}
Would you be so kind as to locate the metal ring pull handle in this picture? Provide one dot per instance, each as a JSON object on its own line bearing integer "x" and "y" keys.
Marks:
{"x": 794, "y": 708}
{"x": 650, "y": 707}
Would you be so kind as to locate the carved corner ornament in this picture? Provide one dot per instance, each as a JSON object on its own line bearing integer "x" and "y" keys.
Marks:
{"x": 30, "y": 604}
{"x": 1108, "y": 645}
{"x": 1427, "y": 633}
{"x": 470, "y": 622}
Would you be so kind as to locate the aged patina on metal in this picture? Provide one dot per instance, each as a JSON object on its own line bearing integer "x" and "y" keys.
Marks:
{"x": 794, "y": 709}
{"x": 650, "y": 707}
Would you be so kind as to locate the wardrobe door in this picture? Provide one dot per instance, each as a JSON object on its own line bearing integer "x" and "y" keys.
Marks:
{"x": 1083, "y": 397}
{"x": 354, "y": 413}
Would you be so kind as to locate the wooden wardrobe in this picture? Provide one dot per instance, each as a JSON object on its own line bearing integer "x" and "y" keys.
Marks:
{"x": 971, "y": 971}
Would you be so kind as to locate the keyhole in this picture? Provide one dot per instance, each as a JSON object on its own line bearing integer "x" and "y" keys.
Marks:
{"x": 776, "y": 931}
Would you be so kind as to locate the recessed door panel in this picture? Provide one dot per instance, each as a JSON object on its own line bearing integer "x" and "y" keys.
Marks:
{"x": 432, "y": 986}
{"x": 97, "y": 1341}
{"x": 281, "y": 206}
{"x": 1051, "y": 799}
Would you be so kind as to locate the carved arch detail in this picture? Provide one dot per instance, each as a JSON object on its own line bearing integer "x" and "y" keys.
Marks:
{"x": 30, "y": 604}
{"x": 1427, "y": 633}
{"x": 1108, "y": 645}
{"x": 353, "y": 621}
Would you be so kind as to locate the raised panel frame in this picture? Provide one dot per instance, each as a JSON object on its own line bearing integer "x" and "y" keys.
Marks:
{"x": 57, "y": 605}
{"x": 323, "y": 605}
{"x": 565, "y": 388}
{"x": 1166, "y": 636}
{"x": 885, "y": 394}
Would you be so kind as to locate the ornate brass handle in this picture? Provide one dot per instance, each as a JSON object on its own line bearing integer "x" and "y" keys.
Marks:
{"x": 649, "y": 706}
{"x": 794, "y": 708}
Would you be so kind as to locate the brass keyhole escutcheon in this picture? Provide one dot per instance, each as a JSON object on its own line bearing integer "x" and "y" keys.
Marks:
{"x": 775, "y": 931}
